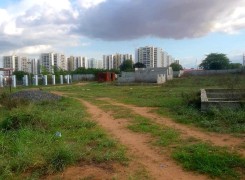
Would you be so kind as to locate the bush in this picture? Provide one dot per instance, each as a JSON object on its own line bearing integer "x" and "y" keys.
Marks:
{"x": 20, "y": 120}
{"x": 8, "y": 102}
{"x": 192, "y": 99}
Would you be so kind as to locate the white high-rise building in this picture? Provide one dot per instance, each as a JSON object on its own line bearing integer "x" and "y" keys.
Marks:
{"x": 150, "y": 56}
{"x": 76, "y": 62}
{"x": 165, "y": 59}
{"x": 108, "y": 62}
{"x": 51, "y": 60}
{"x": 93, "y": 63}
{"x": 114, "y": 61}
{"x": 29, "y": 65}
{"x": 118, "y": 59}
{"x": 12, "y": 62}
{"x": 35, "y": 66}
{"x": 20, "y": 63}
{"x": 26, "y": 64}
{"x": 47, "y": 62}
{"x": 60, "y": 61}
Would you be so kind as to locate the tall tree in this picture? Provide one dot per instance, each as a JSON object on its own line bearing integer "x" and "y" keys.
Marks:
{"x": 176, "y": 67}
{"x": 20, "y": 74}
{"x": 215, "y": 61}
{"x": 127, "y": 65}
{"x": 139, "y": 65}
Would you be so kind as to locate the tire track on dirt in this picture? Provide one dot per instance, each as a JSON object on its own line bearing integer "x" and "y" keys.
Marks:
{"x": 186, "y": 131}
{"x": 159, "y": 166}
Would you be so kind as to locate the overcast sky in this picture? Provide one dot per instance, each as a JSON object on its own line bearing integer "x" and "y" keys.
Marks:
{"x": 186, "y": 29}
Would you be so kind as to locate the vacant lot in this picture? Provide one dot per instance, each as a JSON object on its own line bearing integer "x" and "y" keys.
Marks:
{"x": 160, "y": 130}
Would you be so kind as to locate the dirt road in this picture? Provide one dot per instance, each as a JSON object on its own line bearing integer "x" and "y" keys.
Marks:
{"x": 142, "y": 154}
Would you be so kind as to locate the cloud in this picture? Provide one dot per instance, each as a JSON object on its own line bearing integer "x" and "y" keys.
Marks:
{"x": 63, "y": 23}
{"x": 31, "y": 50}
{"x": 37, "y": 24}
{"x": 131, "y": 19}
{"x": 89, "y": 3}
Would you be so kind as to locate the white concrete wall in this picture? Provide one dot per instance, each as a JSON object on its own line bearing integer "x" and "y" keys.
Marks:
{"x": 148, "y": 75}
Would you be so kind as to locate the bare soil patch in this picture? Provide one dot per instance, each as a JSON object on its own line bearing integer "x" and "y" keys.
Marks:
{"x": 159, "y": 166}
{"x": 217, "y": 139}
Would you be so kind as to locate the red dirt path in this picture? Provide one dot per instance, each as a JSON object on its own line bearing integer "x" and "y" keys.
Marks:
{"x": 158, "y": 165}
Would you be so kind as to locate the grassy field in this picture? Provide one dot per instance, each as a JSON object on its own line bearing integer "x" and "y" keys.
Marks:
{"x": 43, "y": 138}
{"x": 177, "y": 99}
{"x": 191, "y": 153}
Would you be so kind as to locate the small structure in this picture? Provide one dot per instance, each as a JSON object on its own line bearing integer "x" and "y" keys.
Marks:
{"x": 106, "y": 76}
{"x": 222, "y": 98}
{"x": 147, "y": 75}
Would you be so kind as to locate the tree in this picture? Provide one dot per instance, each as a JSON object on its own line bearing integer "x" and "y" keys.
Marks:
{"x": 20, "y": 74}
{"x": 235, "y": 66}
{"x": 176, "y": 67}
{"x": 215, "y": 61}
{"x": 127, "y": 65}
{"x": 44, "y": 70}
{"x": 139, "y": 65}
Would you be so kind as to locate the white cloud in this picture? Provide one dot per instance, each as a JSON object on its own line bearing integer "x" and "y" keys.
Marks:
{"x": 89, "y": 3}
{"x": 37, "y": 49}
{"x": 233, "y": 22}
{"x": 29, "y": 23}
{"x": 4, "y": 16}
{"x": 11, "y": 29}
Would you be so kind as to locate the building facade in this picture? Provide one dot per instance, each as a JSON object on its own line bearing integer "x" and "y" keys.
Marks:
{"x": 114, "y": 61}
{"x": 50, "y": 60}
{"x": 94, "y": 63}
{"x": 153, "y": 57}
{"x": 76, "y": 62}
{"x": 108, "y": 62}
{"x": 12, "y": 62}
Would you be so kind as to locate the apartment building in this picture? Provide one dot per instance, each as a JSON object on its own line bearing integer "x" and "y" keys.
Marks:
{"x": 114, "y": 61}
{"x": 51, "y": 60}
{"x": 12, "y": 62}
{"x": 76, "y": 62}
{"x": 20, "y": 63}
{"x": 94, "y": 63}
{"x": 108, "y": 62}
{"x": 60, "y": 61}
{"x": 153, "y": 57}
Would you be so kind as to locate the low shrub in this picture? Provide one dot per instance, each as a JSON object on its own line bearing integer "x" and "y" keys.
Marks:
{"x": 192, "y": 99}
{"x": 60, "y": 159}
{"x": 10, "y": 103}
{"x": 20, "y": 120}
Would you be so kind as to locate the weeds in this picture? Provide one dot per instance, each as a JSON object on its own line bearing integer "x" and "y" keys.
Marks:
{"x": 28, "y": 141}
{"x": 210, "y": 160}
{"x": 60, "y": 159}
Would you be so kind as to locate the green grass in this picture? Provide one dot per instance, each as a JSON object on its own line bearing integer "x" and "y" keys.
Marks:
{"x": 210, "y": 160}
{"x": 168, "y": 98}
{"x": 171, "y": 99}
{"x": 28, "y": 141}
{"x": 191, "y": 153}
{"x": 164, "y": 136}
